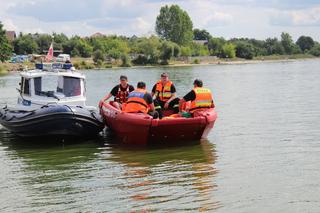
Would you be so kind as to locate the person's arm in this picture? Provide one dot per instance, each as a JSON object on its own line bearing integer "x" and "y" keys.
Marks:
{"x": 181, "y": 104}
{"x": 188, "y": 97}
{"x": 112, "y": 93}
{"x": 106, "y": 97}
{"x": 151, "y": 107}
{"x": 173, "y": 91}
{"x": 148, "y": 99}
{"x": 166, "y": 105}
{"x": 153, "y": 90}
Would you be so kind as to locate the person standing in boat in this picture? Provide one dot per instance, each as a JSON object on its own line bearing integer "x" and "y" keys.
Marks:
{"x": 165, "y": 95}
{"x": 140, "y": 100}
{"x": 120, "y": 92}
{"x": 200, "y": 98}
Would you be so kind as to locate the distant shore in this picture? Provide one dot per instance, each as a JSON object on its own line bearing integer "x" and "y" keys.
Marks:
{"x": 87, "y": 63}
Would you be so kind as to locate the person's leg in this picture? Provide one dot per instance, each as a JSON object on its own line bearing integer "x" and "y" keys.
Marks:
{"x": 174, "y": 105}
{"x": 154, "y": 114}
{"x": 157, "y": 107}
{"x": 117, "y": 105}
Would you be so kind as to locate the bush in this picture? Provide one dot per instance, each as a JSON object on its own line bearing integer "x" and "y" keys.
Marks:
{"x": 108, "y": 66}
{"x": 141, "y": 60}
{"x": 196, "y": 61}
{"x": 76, "y": 65}
{"x": 125, "y": 61}
{"x": 186, "y": 51}
{"x": 98, "y": 55}
{"x": 89, "y": 66}
{"x": 99, "y": 63}
{"x": 315, "y": 50}
{"x": 244, "y": 50}
{"x": 228, "y": 50}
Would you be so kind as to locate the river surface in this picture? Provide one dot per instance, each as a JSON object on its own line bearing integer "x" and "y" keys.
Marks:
{"x": 263, "y": 154}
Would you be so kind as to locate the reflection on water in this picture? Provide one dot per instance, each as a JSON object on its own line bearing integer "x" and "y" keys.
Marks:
{"x": 168, "y": 179}
{"x": 100, "y": 175}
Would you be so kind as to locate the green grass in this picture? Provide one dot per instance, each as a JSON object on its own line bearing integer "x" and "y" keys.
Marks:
{"x": 3, "y": 69}
{"x": 284, "y": 57}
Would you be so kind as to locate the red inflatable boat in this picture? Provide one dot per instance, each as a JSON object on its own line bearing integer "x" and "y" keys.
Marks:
{"x": 138, "y": 128}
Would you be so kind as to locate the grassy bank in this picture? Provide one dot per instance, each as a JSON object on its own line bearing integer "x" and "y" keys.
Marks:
{"x": 3, "y": 69}
{"x": 88, "y": 63}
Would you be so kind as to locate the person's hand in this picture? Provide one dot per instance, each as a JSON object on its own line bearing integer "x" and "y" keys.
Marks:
{"x": 166, "y": 105}
{"x": 101, "y": 103}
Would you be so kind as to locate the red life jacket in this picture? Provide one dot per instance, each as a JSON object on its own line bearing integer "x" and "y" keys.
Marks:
{"x": 122, "y": 96}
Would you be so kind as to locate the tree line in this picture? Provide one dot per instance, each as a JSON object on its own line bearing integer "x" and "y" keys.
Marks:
{"x": 175, "y": 38}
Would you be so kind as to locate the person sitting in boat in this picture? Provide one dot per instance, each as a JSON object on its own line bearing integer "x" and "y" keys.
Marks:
{"x": 120, "y": 92}
{"x": 200, "y": 98}
{"x": 165, "y": 95}
{"x": 140, "y": 100}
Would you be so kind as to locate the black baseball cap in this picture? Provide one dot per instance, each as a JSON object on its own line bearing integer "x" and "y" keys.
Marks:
{"x": 123, "y": 77}
{"x": 164, "y": 74}
{"x": 198, "y": 82}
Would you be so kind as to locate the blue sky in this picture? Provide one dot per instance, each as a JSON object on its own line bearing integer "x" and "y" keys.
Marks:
{"x": 228, "y": 18}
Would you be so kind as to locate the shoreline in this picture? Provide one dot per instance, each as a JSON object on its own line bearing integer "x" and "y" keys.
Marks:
{"x": 10, "y": 67}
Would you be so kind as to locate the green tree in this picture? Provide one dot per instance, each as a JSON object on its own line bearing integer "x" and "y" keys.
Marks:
{"x": 5, "y": 46}
{"x": 186, "y": 51}
{"x": 168, "y": 49}
{"x": 150, "y": 48}
{"x": 287, "y": 43}
{"x": 229, "y": 50}
{"x": 84, "y": 48}
{"x": 77, "y": 46}
{"x": 25, "y": 44}
{"x": 43, "y": 41}
{"x": 199, "y": 49}
{"x": 98, "y": 55}
{"x": 244, "y": 50}
{"x": 215, "y": 46}
{"x": 125, "y": 60}
{"x": 273, "y": 46}
{"x": 69, "y": 46}
{"x": 201, "y": 35}
{"x": 315, "y": 50}
{"x": 305, "y": 43}
{"x": 59, "y": 40}
{"x": 174, "y": 24}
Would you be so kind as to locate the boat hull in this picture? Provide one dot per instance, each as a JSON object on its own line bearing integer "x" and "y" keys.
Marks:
{"x": 142, "y": 129}
{"x": 60, "y": 120}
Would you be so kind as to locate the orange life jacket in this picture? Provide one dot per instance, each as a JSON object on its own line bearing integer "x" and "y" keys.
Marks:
{"x": 122, "y": 96}
{"x": 203, "y": 99}
{"x": 163, "y": 92}
{"x": 135, "y": 102}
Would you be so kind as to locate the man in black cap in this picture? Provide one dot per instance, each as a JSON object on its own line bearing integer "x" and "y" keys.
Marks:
{"x": 165, "y": 95}
{"x": 120, "y": 92}
{"x": 200, "y": 98}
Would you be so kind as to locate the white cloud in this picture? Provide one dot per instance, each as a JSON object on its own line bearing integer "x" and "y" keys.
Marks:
{"x": 9, "y": 25}
{"x": 306, "y": 17}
